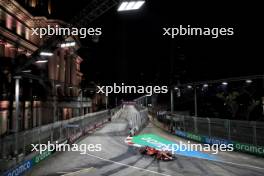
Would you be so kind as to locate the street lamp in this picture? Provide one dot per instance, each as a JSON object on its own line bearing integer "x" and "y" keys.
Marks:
{"x": 224, "y": 83}
{"x": 205, "y": 85}
{"x": 46, "y": 53}
{"x": 68, "y": 44}
{"x": 248, "y": 81}
{"x": 130, "y": 5}
{"x": 41, "y": 61}
{"x": 26, "y": 71}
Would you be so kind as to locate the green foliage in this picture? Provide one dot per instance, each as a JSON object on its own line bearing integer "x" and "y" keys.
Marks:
{"x": 235, "y": 101}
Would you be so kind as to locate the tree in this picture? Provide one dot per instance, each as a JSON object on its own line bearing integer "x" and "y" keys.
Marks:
{"x": 230, "y": 101}
{"x": 240, "y": 104}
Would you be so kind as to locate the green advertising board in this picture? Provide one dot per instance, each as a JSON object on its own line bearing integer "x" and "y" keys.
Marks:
{"x": 41, "y": 157}
{"x": 195, "y": 137}
{"x": 150, "y": 140}
{"x": 248, "y": 148}
{"x": 242, "y": 147}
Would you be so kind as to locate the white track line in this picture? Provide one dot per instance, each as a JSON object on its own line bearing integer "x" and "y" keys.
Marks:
{"x": 237, "y": 164}
{"x": 134, "y": 167}
{"x": 225, "y": 162}
{"x": 79, "y": 171}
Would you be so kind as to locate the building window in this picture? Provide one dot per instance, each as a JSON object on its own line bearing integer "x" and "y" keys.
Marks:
{"x": 14, "y": 25}
{"x": 26, "y": 33}
{"x": 2, "y": 18}
{"x": 8, "y": 21}
{"x": 19, "y": 28}
{"x": 23, "y": 32}
{"x": 78, "y": 67}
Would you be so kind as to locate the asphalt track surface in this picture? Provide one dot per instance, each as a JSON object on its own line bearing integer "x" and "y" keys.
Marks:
{"x": 118, "y": 159}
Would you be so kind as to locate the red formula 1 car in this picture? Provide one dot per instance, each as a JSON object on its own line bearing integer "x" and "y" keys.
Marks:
{"x": 159, "y": 155}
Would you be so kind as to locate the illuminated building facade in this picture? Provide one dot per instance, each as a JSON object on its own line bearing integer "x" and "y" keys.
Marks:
{"x": 63, "y": 98}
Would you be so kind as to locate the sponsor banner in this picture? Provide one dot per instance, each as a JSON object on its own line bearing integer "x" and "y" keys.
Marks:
{"x": 41, "y": 157}
{"x": 150, "y": 140}
{"x": 202, "y": 139}
{"x": 195, "y": 137}
{"x": 212, "y": 140}
{"x": 248, "y": 148}
{"x": 20, "y": 169}
{"x": 181, "y": 133}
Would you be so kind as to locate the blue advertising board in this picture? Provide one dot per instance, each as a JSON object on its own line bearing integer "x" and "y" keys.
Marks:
{"x": 212, "y": 140}
{"x": 181, "y": 133}
{"x": 20, "y": 169}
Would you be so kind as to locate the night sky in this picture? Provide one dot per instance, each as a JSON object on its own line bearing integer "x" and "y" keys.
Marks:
{"x": 132, "y": 48}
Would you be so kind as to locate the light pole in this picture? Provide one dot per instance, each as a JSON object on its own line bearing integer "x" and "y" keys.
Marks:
{"x": 106, "y": 102}
{"x": 54, "y": 115}
{"x": 194, "y": 98}
{"x": 172, "y": 97}
{"x": 172, "y": 101}
{"x": 81, "y": 95}
{"x": 195, "y": 102}
{"x": 16, "y": 125}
